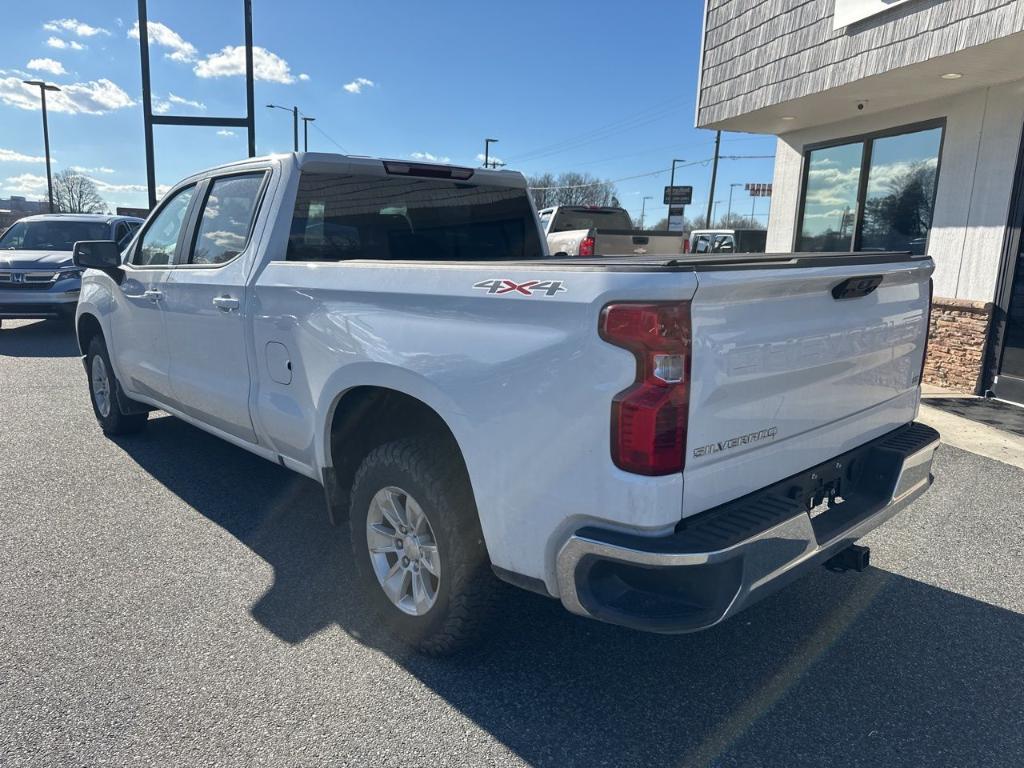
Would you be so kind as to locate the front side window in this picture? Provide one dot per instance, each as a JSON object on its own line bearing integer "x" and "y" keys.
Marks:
{"x": 227, "y": 219}
{"x": 344, "y": 216}
{"x": 160, "y": 239}
{"x": 876, "y": 194}
{"x": 51, "y": 235}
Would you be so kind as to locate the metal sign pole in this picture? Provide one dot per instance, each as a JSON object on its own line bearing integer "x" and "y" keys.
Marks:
{"x": 149, "y": 119}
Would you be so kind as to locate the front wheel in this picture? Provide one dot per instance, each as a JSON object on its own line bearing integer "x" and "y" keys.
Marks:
{"x": 418, "y": 546}
{"x": 103, "y": 392}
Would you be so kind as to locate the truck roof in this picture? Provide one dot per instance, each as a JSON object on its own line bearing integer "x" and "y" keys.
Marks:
{"x": 105, "y": 218}
{"x": 327, "y": 161}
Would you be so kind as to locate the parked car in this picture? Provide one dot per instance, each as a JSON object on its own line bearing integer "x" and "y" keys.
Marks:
{"x": 603, "y": 231}
{"x": 37, "y": 276}
{"x": 728, "y": 240}
{"x": 656, "y": 442}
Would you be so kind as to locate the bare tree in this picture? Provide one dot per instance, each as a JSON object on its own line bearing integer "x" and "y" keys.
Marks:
{"x": 542, "y": 190}
{"x": 571, "y": 188}
{"x": 75, "y": 193}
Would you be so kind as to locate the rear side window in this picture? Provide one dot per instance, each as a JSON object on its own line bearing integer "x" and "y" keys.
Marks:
{"x": 227, "y": 217}
{"x": 342, "y": 216}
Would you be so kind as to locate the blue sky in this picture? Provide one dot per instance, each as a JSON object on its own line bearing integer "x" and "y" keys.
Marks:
{"x": 603, "y": 88}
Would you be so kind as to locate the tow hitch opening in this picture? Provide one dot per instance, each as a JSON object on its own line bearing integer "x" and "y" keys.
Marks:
{"x": 853, "y": 558}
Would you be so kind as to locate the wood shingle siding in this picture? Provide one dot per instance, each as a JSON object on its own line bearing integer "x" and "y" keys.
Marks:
{"x": 758, "y": 53}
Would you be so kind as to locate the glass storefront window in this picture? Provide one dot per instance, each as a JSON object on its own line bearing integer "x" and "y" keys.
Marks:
{"x": 889, "y": 211}
{"x": 901, "y": 192}
{"x": 830, "y": 198}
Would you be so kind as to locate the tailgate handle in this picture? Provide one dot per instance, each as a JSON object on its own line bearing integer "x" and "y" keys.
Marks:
{"x": 855, "y": 287}
{"x": 640, "y": 240}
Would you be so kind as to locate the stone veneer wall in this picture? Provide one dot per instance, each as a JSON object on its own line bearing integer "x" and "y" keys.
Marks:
{"x": 956, "y": 343}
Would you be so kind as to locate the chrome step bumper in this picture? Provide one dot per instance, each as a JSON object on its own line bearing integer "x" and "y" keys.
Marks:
{"x": 721, "y": 561}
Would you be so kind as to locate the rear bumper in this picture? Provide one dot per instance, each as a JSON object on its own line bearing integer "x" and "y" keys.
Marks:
{"x": 719, "y": 562}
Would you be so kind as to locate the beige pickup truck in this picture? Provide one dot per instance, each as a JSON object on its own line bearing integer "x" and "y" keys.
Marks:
{"x": 603, "y": 231}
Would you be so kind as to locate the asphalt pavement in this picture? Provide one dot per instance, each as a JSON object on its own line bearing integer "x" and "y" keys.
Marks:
{"x": 168, "y": 599}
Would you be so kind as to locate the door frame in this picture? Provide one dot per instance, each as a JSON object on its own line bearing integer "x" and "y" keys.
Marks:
{"x": 1012, "y": 244}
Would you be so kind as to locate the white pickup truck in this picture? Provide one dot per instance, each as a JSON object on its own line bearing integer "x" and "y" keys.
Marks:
{"x": 656, "y": 443}
{"x": 591, "y": 230}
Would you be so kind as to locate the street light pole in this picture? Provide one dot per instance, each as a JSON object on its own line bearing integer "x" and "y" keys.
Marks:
{"x": 295, "y": 122}
{"x": 671, "y": 185}
{"x": 43, "y": 88}
{"x": 305, "y": 132}
{"x": 643, "y": 208}
{"x": 714, "y": 175}
{"x": 487, "y": 150}
{"x": 731, "y": 188}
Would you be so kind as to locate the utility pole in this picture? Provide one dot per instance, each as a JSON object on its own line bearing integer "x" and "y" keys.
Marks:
{"x": 305, "y": 132}
{"x": 295, "y": 122}
{"x": 487, "y": 151}
{"x": 643, "y": 208}
{"x": 714, "y": 176}
{"x": 43, "y": 88}
{"x": 731, "y": 188}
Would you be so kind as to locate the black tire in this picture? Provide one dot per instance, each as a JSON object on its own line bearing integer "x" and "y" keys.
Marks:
{"x": 466, "y": 592}
{"x": 115, "y": 421}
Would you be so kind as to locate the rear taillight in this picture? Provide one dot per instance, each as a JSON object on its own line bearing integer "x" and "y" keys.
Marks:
{"x": 587, "y": 246}
{"x": 927, "y": 330}
{"x": 649, "y": 417}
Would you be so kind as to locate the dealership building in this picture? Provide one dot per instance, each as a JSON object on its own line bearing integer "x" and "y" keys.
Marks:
{"x": 899, "y": 127}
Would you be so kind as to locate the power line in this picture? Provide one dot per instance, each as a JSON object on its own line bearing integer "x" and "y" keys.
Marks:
{"x": 325, "y": 135}
{"x": 643, "y": 117}
{"x": 705, "y": 161}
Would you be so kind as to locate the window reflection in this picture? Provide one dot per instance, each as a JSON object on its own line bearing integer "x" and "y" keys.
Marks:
{"x": 901, "y": 192}
{"x": 830, "y": 201}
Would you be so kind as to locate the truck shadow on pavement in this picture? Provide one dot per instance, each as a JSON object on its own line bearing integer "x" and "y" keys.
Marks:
{"x": 855, "y": 669}
{"x": 40, "y": 338}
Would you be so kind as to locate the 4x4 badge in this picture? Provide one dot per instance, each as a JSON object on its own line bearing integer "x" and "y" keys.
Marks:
{"x": 500, "y": 285}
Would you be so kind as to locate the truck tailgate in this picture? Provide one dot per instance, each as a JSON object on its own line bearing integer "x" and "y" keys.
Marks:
{"x": 794, "y": 364}
{"x": 638, "y": 242}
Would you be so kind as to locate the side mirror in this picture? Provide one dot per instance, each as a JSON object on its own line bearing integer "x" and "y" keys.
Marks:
{"x": 97, "y": 254}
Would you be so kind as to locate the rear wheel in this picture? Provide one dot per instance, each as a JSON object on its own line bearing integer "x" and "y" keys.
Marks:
{"x": 418, "y": 546}
{"x": 103, "y": 392}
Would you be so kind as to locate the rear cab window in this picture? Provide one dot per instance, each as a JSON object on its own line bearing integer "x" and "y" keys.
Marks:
{"x": 570, "y": 219}
{"x": 342, "y": 216}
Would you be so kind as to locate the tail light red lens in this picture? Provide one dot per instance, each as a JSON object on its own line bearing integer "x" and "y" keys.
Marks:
{"x": 587, "y": 246}
{"x": 649, "y": 417}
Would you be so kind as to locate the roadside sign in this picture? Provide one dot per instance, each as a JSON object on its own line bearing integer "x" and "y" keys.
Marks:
{"x": 678, "y": 195}
{"x": 759, "y": 190}
{"x": 676, "y": 216}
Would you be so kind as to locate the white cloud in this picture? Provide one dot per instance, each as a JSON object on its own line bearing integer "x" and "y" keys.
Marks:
{"x": 95, "y": 97}
{"x": 357, "y": 85}
{"x": 25, "y": 184}
{"x": 52, "y": 66}
{"x": 10, "y": 156}
{"x": 163, "y": 106}
{"x": 225, "y": 132}
{"x": 490, "y": 159}
{"x": 303, "y": 76}
{"x": 162, "y": 35}
{"x": 230, "y": 61}
{"x": 100, "y": 169}
{"x": 108, "y": 188}
{"x": 429, "y": 157}
{"x": 75, "y": 27}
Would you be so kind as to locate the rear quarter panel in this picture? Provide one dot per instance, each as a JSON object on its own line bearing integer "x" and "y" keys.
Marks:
{"x": 523, "y": 381}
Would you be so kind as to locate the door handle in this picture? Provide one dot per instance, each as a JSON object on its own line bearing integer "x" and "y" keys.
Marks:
{"x": 225, "y": 303}
{"x": 153, "y": 295}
